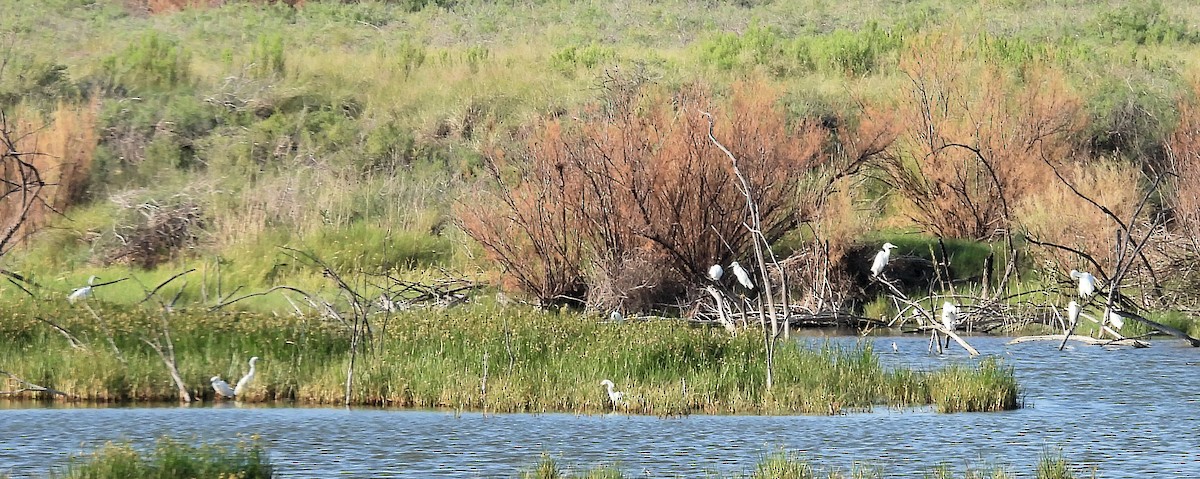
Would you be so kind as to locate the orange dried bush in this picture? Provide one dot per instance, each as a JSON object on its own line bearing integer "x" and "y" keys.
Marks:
{"x": 642, "y": 184}
{"x": 1184, "y": 152}
{"x": 45, "y": 166}
{"x": 975, "y": 140}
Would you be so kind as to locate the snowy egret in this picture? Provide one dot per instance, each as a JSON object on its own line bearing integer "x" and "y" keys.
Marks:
{"x": 715, "y": 272}
{"x": 221, "y": 387}
{"x": 81, "y": 293}
{"x": 949, "y": 316}
{"x": 616, "y": 397}
{"x": 881, "y": 259}
{"x": 1072, "y": 314}
{"x": 245, "y": 381}
{"x": 1115, "y": 320}
{"x": 1087, "y": 283}
{"x": 742, "y": 276}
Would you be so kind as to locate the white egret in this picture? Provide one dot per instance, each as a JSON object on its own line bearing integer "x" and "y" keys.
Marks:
{"x": 616, "y": 397}
{"x": 221, "y": 387}
{"x": 949, "y": 316}
{"x": 1114, "y": 319}
{"x": 895, "y": 349}
{"x": 243, "y": 383}
{"x": 881, "y": 259}
{"x": 81, "y": 293}
{"x": 1087, "y": 283}
{"x": 715, "y": 272}
{"x": 615, "y": 316}
{"x": 1072, "y": 314}
{"x": 742, "y": 276}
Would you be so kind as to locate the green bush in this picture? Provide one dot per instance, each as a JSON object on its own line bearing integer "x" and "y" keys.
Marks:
{"x": 172, "y": 459}
{"x": 151, "y": 62}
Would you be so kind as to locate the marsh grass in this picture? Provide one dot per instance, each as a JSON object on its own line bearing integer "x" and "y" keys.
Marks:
{"x": 479, "y": 358}
{"x": 171, "y": 459}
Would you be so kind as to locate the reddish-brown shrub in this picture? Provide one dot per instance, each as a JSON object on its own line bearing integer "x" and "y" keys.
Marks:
{"x": 975, "y": 140}
{"x": 1184, "y": 153}
{"x": 642, "y": 184}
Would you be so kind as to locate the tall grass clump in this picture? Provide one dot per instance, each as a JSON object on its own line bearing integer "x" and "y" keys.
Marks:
{"x": 1053, "y": 465}
{"x": 989, "y": 386}
{"x": 172, "y": 459}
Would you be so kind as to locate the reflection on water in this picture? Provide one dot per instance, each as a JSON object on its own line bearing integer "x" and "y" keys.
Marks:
{"x": 1133, "y": 413}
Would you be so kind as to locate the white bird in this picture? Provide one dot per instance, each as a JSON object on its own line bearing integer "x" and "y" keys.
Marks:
{"x": 881, "y": 259}
{"x": 715, "y": 272}
{"x": 616, "y": 397}
{"x": 221, "y": 387}
{"x": 742, "y": 276}
{"x": 949, "y": 316}
{"x": 81, "y": 293}
{"x": 1072, "y": 314}
{"x": 1087, "y": 283}
{"x": 243, "y": 383}
{"x": 615, "y": 316}
{"x": 895, "y": 349}
{"x": 1115, "y": 320}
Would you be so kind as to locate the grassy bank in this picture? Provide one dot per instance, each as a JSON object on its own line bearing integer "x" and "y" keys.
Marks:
{"x": 783, "y": 465}
{"x": 479, "y": 358}
{"x": 171, "y": 459}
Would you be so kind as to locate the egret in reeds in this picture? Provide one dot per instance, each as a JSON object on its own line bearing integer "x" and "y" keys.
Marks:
{"x": 1072, "y": 314}
{"x": 742, "y": 276}
{"x": 616, "y": 397}
{"x": 881, "y": 259}
{"x": 81, "y": 293}
{"x": 615, "y": 316}
{"x": 715, "y": 272}
{"x": 243, "y": 383}
{"x": 1087, "y": 283}
{"x": 949, "y": 316}
{"x": 1114, "y": 319}
{"x": 221, "y": 387}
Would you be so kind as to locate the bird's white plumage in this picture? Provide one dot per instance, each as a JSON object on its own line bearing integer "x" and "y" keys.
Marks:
{"x": 1115, "y": 320}
{"x": 742, "y": 276}
{"x": 615, "y": 316}
{"x": 81, "y": 293}
{"x": 1072, "y": 313}
{"x": 616, "y": 397}
{"x": 895, "y": 348}
{"x": 1087, "y": 283}
{"x": 949, "y": 316}
{"x": 221, "y": 387}
{"x": 243, "y": 383}
{"x": 715, "y": 272}
{"x": 881, "y": 259}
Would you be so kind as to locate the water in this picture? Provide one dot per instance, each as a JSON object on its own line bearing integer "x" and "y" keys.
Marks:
{"x": 1130, "y": 413}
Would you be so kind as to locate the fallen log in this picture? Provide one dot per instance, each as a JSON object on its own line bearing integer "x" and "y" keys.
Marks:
{"x": 1083, "y": 339}
{"x": 1161, "y": 327}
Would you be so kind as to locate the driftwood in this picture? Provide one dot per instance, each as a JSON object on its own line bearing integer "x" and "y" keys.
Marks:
{"x": 1083, "y": 339}
{"x": 27, "y": 386}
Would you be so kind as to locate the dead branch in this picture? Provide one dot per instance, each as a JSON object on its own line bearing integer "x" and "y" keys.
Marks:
{"x": 29, "y": 387}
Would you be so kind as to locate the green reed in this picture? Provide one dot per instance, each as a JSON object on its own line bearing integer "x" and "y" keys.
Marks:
{"x": 171, "y": 459}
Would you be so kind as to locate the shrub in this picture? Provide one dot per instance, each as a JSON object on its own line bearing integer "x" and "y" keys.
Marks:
{"x": 172, "y": 459}
{"x": 150, "y": 62}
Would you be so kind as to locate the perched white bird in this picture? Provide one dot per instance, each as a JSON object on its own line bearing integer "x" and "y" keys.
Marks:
{"x": 1072, "y": 313}
{"x": 1087, "y": 283}
{"x": 742, "y": 276}
{"x": 881, "y": 259}
{"x": 616, "y": 397}
{"x": 615, "y": 316}
{"x": 1115, "y": 320}
{"x": 81, "y": 293}
{"x": 715, "y": 272}
{"x": 243, "y": 383}
{"x": 221, "y": 387}
{"x": 949, "y": 316}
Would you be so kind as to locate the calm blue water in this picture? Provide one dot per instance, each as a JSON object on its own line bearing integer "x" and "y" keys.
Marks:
{"x": 1131, "y": 413}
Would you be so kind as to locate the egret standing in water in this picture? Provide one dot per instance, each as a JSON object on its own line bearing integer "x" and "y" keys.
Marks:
{"x": 616, "y": 397}
{"x": 881, "y": 259}
{"x": 243, "y": 383}
{"x": 221, "y": 387}
{"x": 1087, "y": 283}
{"x": 1072, "y": 314}
{"x": 81, "y": 293}
{"x": 715, "y": 272}
{"x": 742, "y": 276}
{"x": 949, "y": 316}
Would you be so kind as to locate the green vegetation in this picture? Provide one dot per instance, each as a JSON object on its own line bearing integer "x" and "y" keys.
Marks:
{"x": 784, "y": 465}
{"x": 171, "y": 459}
{"x": 482, "y": 358}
